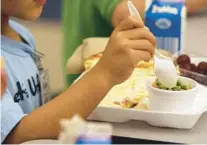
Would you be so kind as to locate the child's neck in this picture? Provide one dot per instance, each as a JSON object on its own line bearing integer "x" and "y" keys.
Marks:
{"x": 6, "y": 29}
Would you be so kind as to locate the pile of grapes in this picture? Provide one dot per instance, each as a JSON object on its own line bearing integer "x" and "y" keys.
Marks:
{"x": 189, "y": 69}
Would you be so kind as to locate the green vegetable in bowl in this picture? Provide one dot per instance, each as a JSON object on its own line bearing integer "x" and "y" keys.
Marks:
{"x": 179, "y": 86}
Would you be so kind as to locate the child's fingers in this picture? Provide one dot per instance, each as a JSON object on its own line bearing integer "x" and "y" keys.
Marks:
{"x": 140, "y": 33}
{"x": 130, "y": 23}
{"x": 139, "y": 55}
{"x": 143, "y": 45}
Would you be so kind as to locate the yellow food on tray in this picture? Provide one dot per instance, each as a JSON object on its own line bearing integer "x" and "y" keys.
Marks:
{"x": 132, "y": 93}
{"x": 92, "y": 61}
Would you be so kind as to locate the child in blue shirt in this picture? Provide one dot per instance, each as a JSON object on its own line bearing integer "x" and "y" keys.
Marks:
{"x": 24, "y": 117}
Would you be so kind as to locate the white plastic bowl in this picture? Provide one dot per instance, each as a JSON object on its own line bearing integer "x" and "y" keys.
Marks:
{"x": 172, "y": 101}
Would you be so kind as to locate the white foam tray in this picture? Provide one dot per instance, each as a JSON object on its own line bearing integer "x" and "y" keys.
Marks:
{"x": 185, "y": 120}
{"x": 181, "y": 120}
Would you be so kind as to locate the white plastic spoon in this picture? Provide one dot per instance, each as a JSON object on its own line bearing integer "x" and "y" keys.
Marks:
{"x": 165, "y": 70}
{"x": 133, "y": 10}
{"x": 164, "y": 67}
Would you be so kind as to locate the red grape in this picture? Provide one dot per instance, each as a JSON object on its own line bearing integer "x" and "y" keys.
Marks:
{"x": 202, "y": 66}
{"x": 185, "y": 66}
{"x": 183, "y": 59}
{"x": 193, "y": 68}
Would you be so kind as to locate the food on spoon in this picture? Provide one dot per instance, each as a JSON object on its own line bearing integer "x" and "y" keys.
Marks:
{"x": 183, "y": 59}
{"x": 180, "y": 86}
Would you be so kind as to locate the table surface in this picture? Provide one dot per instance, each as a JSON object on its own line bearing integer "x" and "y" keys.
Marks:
{"x": 196, "y": 39}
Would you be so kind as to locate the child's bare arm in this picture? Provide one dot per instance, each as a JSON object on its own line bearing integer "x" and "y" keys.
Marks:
{"x": 81, "y": 98}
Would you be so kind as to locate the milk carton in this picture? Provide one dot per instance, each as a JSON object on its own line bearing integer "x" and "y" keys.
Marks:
{"x": 167, "y": 21}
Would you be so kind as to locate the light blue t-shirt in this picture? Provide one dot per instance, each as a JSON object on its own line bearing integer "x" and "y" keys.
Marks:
{"x": 24, "y": 92}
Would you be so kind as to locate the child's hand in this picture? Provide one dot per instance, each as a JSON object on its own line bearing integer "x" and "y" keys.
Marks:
{"x": 130, "y": 43}
{"x": 3, "y": 79}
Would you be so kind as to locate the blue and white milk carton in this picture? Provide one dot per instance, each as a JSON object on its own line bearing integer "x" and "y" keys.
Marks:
{"x": 167, "y": 21}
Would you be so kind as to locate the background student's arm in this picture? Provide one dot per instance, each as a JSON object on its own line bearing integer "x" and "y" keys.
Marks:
{"x": 121, "y": 11}
{"x": 116, "y": 11}
{"x": 195, "y": 5}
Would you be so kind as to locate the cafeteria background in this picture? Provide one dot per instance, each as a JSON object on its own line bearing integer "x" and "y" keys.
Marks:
{"x": 48, "y": 36}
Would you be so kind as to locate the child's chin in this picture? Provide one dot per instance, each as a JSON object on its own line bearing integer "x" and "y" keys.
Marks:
{"x": 33, "y": 18}
{"x": 30, "y": 17}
